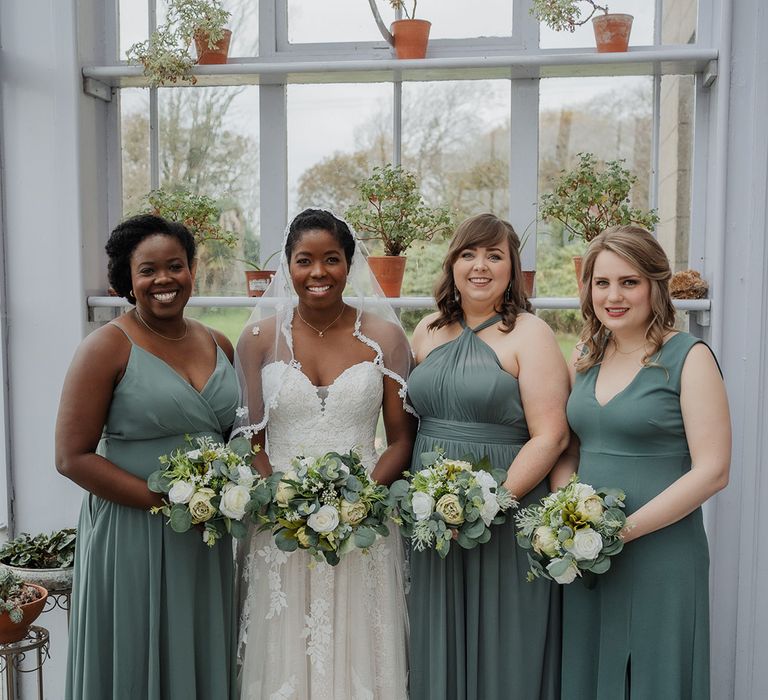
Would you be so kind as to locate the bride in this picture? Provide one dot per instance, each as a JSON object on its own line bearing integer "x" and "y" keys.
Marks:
{"x": 315, "y": 375}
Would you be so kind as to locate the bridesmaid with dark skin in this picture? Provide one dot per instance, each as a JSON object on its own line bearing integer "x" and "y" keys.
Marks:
{"x": 649, "y": 414}
{"x": 136, "y": 387}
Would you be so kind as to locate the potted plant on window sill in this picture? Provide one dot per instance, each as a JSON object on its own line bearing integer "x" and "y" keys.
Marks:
{"x": 611, "y": 30}
{"x": 258, "y": 278}
{"x": 20, "y": 605}
{"x": 591, "y": 198}
{"x": 410, "y": 36}
{"x": 44, "y": 560}
{"x": 393, "y": 212}
{"x": 165, "y": 55}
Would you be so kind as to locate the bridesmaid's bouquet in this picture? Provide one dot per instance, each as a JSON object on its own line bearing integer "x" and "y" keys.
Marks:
{"x": 328, "y": 506}
{"x": 210, "y": 484}
{"x": 573, "y": 530}
{"x": 450, "y": 500}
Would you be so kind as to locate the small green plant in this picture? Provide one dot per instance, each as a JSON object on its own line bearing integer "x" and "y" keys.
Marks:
{"x": 393, "y": 211}
{"x": 54, "y": 551}
{"x": 589, "y": 198}
{"x": 165, "y": 55}
{"x": 13, "y": 594}
{"x": 259, "y": 267}
{"x": 565, "y": 15}
{"x": 198, "y": 212}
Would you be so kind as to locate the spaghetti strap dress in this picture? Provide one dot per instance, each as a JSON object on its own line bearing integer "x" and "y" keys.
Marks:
{"x": 479, "y": 630}
{"x": 152, "y": 612}
{"x": 642, "y": 630}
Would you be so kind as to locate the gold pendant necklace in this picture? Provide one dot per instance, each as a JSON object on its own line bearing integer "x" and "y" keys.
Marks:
{"x": 165, "y": 337}
{"x": 320, "y": 332}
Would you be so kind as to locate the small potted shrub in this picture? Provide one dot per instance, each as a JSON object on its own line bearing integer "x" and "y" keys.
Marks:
{"x": 410, "y": 36}
{"x": 591, "y": 198}
{"x": 165, "y": 55}
{"x": 611, "y": 30}
{"x": 20, "y": 605}
{"x": 45, "y": 560}
{"x": 393, "y": 212}
{"x": 257, "y": 279}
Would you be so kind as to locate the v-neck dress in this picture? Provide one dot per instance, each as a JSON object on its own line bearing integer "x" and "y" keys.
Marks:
{"x": 642, "y": 631}
{"x": 152, "y": 612}
{"x": 479, "y": 630}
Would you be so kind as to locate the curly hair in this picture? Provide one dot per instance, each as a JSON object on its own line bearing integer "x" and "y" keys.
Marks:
{"x": 641, "y": 250}
{"x": 320, "y": 219}
{"x": 481, "y": 231}
{"x": 128, "y": 234}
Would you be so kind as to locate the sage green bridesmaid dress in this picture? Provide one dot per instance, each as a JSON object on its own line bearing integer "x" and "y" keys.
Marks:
{"x": 479, "y": 630}
{"x": 152, "y": 613}
{"x": 642, "y": 630}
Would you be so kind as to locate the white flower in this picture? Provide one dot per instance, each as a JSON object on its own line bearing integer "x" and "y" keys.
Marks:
{"x": 181, "y": 492}
{"x": 200, "y": 506}
{"x": 325, "y": 520}
{"x": 234, "y": 500}
{"x": 286, "y": 491}
{"x": 194, "y": 454}
{"x": 545, "y": 541}
{"x": 570, "y": 573}
{"x": 587, "y": 544}
{"x": 353, "y": 513}
{"x": 245, "y": 476}
{"x": 582, "y": 491}
{"x": 241, "y": 411}
{"x": 591, "y": 508}
{"x": 489, "y": 509}
{"x": 458, "y": 464}
{"x": 485, "y": 481}
{"x": 208, "y": 537}
{"x": 422, "y": 505}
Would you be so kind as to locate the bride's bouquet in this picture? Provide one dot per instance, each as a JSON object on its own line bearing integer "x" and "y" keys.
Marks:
{"x": 573, "y": 530}
{"x": 450, "y": 499}
{"x": 328, "y": 506}
{"x": 210, "y": 484}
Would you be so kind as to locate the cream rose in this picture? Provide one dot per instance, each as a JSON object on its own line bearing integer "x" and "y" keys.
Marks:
{"x": 200, "y": 506}
{"x": 353, "y": 513}
{"x": 458, "y": 464}
{"x": 568, "y": 576}
{"x": 422, "y": 505}
{"x": 544, "y": 541}
{"x": 326, "y": 519}
{"x": 448, "y": 506}
{"x": 592, "y": 509}
{"x": 583, "y": 491}
{"x": 181, "y": 492}
{"x": 234, "y": 500}
{"x": 586, "y": 544}
{"x": 286, "y": 491}
{"x": 302, "y": 537}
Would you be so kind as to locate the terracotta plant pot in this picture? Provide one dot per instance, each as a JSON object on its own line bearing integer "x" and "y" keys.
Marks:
{"x": 215, "y": 56}
{"x": 15, "y": 631}
{"x": 389, "y": 270}
{"x": 411, "y": 37}
{"x": 612, "y": 32}
{"x": 577, "y": 266}
{"x": 257, "y": 281}
{"x": 529, "y": 281}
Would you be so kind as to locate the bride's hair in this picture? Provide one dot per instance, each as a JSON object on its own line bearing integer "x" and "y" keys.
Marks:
{"x": 319, "y": 219}
{"x": 481, "y": 231}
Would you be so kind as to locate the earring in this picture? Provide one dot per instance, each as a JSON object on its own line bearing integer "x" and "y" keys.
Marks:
{"x": 456, "y": 295}
{"x": 131, "y": 294}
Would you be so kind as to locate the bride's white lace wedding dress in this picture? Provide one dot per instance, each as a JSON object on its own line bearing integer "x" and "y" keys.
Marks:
{"x": 309, "y": 630}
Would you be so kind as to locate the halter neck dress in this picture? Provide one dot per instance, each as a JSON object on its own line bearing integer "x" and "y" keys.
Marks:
{"x": 479, "y": 630}
{"x": 642, "y": 630}
{"x": 152, "y": 612}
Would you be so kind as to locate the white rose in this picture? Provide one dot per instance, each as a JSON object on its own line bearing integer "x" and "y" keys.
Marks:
{"x": 489, "y": 509}
{"x": 570, "y": 573}
{"x": 485, "y": 481}
{"x": 286, "y": 491}
{"x": 587, "y": 544}
{"x": 422, "y": 505}
{"x": 544, "y": 541}
{"x": 194, "y": 454}
{"x": 583, "y": 491}
{"x": 245, "y": 476}
{"x": 181, "y": 492}
{"x": 233, "y": 501}
{"x": 325, "y": 520}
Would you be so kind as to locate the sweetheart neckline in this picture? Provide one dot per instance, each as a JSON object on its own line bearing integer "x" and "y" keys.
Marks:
{"x": 297, "y": 367}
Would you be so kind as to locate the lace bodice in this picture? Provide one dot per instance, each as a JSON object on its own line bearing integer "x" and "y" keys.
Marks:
{"x": 302, "y": 422}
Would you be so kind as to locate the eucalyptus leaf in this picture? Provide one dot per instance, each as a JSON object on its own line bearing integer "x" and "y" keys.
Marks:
{"x": 181, "y": 518}
{"x": 285, "y": 541}
{"x": 364, "y": 537}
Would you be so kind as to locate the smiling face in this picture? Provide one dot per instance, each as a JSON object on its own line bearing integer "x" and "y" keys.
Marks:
{"x": 482, "y": 274}
{"x": 161, "y": 276}
{"x": 621, "y": 296}
{"x": 318, "y": 269}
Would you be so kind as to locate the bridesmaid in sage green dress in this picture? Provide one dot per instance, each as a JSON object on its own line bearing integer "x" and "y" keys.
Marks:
{"x": 491, "y": 381}
{"x": 152, "y": 613}
{"x": 649, "y": 410}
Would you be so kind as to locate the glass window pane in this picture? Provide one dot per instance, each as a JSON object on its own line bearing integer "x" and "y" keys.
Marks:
{"x": 244, "y": 24}
{"x": 456, "y": 19}
{"x": 310, "y": 21}
{"x": 584, "y": 36}
{"x": 134, "y": 23}
{"x": 678, "y": 25}
{"x": 134, "y": 132}
{"x": 209, "y": 145}
{"x": 336, "y": 134}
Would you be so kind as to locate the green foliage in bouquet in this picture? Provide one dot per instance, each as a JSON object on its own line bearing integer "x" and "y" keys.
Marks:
{"x": 54, "y": 551}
